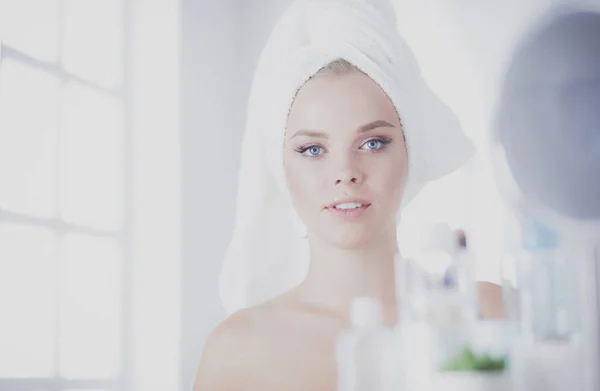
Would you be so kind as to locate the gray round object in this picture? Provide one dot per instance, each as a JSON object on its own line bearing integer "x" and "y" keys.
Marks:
{"x": 548, "y": 121}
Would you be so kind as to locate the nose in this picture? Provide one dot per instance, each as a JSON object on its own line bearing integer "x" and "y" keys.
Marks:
{"x": 349, "y": 176}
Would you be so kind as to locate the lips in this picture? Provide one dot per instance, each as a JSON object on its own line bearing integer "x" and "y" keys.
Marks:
{"x": 348, "y": 204}
{"x": 348, "y": 209}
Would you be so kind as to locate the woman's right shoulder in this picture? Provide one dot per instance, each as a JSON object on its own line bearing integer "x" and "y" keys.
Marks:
{"x": 228, "y": 352}
{"x": 239, "y": 325}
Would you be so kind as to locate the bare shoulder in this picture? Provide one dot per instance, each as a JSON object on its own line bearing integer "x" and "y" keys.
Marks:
{"x": 279, "y": 345}
{"x": 226, "y": 358}
{"x": 233, "y": 351}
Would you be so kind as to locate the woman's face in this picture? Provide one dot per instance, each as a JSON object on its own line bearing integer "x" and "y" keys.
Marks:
{"x": 345, "y": 159}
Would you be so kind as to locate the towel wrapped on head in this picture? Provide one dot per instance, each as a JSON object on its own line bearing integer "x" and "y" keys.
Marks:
{"x": 268, "y": 253}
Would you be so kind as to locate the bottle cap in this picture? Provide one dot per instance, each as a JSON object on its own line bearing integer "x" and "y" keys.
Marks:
{"x": 538, "y": 237}
{"x": 365, "y": 312}
{"x": 438, "y": 237}
{"x": 461, "y": 239}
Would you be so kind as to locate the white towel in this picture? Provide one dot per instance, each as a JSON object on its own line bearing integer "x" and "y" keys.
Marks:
{"x": 268, "y": 253}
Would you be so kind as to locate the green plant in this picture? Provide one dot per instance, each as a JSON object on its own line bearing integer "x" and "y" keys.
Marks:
{"x": 467, "y": 360}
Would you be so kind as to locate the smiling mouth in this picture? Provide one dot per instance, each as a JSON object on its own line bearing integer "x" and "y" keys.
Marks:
{"x": 348, "y": 211}
{"x": 349, "y": 206}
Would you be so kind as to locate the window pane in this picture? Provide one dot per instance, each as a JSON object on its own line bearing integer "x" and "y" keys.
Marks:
{"x": 91, "y": 169}
{"x": 90, "y": 307}
{"x": 28, "y": 271}
{"x": 30, "y": 26}
{"x": 93, "y": 40}
{"x": 28, "y": 139}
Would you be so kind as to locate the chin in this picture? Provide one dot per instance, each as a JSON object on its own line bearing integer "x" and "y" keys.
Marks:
{"x": 348, "y": 238}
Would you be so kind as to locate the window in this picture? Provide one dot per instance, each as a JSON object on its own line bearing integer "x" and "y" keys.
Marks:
{"x": 64, "y": 229}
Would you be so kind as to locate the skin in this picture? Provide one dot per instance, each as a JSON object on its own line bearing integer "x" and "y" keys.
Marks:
{"x": 288, "y": 343}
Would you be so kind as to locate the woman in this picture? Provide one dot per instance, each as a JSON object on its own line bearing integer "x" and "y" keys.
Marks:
{"x": 341, "y": 128}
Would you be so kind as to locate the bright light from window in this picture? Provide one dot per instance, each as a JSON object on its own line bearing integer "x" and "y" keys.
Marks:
{"x": 90, "y": 312}
{"x": 31, "y": 27}
{"x": 91, "y": 158}
{"x": 27, "y": 301}
{"x": 93, "y": 40}
{"x": 28, "y": 138}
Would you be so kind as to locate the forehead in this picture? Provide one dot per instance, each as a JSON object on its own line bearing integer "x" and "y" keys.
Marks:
{"x": 331, "y": 103}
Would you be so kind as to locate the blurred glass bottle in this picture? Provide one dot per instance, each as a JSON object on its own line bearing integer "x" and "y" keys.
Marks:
{"x": 438, "y": 284}
{"x": 365, "y": 353}
{"x": 540, "y": 286}
{"x": 444, "y": 342}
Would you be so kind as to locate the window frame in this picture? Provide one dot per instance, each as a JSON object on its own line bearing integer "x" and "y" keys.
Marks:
{"x": 123, "y": 236}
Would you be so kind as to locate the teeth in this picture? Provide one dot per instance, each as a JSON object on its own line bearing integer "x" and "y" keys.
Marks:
{"x": 348, "y": 206}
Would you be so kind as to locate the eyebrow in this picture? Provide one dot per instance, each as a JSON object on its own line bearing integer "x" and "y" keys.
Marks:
{"x": 361, "y": 129}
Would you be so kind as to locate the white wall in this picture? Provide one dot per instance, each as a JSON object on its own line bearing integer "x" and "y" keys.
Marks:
{"x": 155, "y": 309}
{"x": 209, "y": 122}
{"x": 221, "y": 42}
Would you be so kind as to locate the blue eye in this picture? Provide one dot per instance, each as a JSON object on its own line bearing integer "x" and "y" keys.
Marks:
{"x": 312, "y": 151}
{"x": 374, "y": 144}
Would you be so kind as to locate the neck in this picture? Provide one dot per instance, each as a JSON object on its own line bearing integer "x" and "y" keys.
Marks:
{"x": 337, "y": 276}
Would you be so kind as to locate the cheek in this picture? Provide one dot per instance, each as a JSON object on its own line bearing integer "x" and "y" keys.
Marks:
{"x": 393, "y": 185}
{"x": 303, "y": 182}
{"x": 390, "y": 181}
